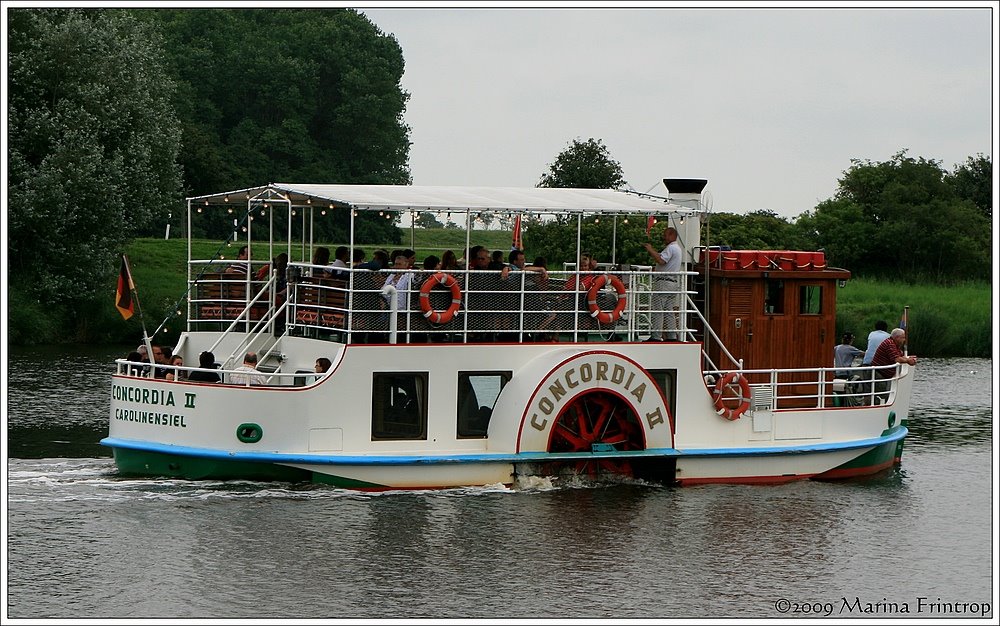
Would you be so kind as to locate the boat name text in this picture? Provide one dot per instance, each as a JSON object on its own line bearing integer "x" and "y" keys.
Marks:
{"x": 145, "y": 395}
{"x": 621, "y": 377}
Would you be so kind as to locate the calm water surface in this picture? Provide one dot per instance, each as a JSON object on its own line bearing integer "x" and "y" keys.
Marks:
{"x": 83, "y": 543}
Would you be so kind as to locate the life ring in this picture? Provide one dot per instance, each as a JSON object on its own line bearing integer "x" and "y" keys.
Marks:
{"x": 440, "y": 317}
{"x": 725, "y": 381}
{"x": 606, "y": 317}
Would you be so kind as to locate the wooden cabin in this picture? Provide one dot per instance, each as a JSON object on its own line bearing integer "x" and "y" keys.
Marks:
{"x": 771, "y": 308}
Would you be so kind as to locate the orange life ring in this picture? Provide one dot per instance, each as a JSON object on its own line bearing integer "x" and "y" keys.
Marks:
{"x": 606, "y": 317}
{"x": 725, "y": 381}
{"x": 447, "y": 280}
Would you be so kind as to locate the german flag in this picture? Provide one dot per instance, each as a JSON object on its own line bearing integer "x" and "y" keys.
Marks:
{"x": 123, "y": 296}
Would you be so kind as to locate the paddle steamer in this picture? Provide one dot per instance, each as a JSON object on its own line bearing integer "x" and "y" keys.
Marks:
{"x": 471, "y": 377}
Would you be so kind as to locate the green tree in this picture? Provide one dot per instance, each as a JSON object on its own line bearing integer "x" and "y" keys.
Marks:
{"x": 757, "y": 230}
{"x": 93, "y": 144}
{"x": 973, "y": 181}
{"x": 584, "y": 165}
{"x": 906, "y": 220}
{"x": 288, "y": 95}
{"x": 426, "y": 219}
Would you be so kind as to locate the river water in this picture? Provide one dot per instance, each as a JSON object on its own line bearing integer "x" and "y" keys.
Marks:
{"x": 84, "y": 543}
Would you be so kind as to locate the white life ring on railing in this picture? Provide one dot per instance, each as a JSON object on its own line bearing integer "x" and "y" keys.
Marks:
{"x": 606, "y": 317}
{"x": 725, "y": 381}
{"x": 448, "y": 281}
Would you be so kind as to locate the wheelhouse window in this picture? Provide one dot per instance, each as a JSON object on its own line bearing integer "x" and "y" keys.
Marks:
{"x": 810, "y": 300}
{"x": 477, "y": 395}
{"x": 774, "y": 297}
{"x": 399, "y": 405}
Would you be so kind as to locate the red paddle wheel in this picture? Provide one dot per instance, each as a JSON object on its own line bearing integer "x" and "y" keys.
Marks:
{"x": 596, "y": 421}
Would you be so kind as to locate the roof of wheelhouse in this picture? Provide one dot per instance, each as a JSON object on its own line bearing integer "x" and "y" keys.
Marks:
{"x": 440, "y": 198}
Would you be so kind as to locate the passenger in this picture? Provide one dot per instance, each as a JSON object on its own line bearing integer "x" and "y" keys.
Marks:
{"x": 342, "y": 256}
{"x": 178, "y": 374}
{"x": 321, "y": 258}
{"x": 875, "y": 339}
{"x": 248, "y": 374}
{"x": 206, "y": 361}
{"x": 844, "y": 355}
{"x": 665, "y": 302}
{"x": 241, "y": 264}
{"x": 449, "y": 263}
{"x": 358, "y": 258}
{"x": 323, "y": 365}
{"x": 278, "y": 265}
{"x": 496, "y": 260}
{"x": 517, "y": 263}
{"x": 159, "y": 358}
{"x": 400, "y": 279}
{"x": 380, "y": 260}
{"x": 411, "y": 258}
{"x": 887, "y": 353}
{"x": 432, "y": 263}
{"x": 588, "y": 265}
{"x": 135, "y": 357}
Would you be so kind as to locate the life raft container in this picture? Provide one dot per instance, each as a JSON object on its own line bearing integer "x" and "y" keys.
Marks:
{"x": 606, "y": 317}
{"x": 725, "y": 381}
{"x": 449, "y": 282}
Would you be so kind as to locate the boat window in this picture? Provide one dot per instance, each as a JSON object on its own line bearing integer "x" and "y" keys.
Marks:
{"x": 774, "y": 298}
{"x": 477, "y": 395}
{"x": 810, "y": 299}
{"x": 667, "y": 381}
{"x": 399, "y": 405}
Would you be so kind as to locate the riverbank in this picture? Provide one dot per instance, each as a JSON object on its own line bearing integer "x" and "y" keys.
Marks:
{"x": 943, "y": 321}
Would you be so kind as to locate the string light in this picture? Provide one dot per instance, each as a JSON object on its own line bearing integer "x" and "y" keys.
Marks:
{"x": 323, "y": 212}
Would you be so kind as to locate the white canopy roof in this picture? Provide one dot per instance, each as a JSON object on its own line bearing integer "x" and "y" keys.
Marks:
{"x": 436, "y": 198}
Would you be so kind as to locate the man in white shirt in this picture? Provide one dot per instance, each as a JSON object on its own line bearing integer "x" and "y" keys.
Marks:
{"x": 248, "y": 374}
{"x": 665, "y": 301}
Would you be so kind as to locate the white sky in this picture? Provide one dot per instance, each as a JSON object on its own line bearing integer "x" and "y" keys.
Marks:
{"x": 770, "y": 105}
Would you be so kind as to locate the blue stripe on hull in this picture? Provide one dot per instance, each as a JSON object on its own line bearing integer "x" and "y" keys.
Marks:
{"x": 521, "y": 457}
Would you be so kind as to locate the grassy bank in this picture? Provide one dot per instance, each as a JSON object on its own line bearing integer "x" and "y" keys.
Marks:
{"x": 943, "y": 321}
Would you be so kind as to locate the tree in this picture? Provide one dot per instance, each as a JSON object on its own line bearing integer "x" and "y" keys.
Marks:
{"x": 902, "y": 218}
{"x": 585, "y": 165}
{"x": 288, "y": 95}
{"x": 426, "y": 219}
{"x": 757, "y": 230}
{"x": 93, "y": 145}
{"x": 973, "y": 181}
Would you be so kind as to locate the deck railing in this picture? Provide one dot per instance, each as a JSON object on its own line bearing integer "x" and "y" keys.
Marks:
{"x": 523, "y": 306}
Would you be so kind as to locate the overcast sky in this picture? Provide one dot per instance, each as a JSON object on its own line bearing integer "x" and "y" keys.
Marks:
{"x": 770, "y": 105}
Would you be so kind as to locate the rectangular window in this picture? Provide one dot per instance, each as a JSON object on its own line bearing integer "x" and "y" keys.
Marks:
{"x": 810, "y": 300}
{"x": 667, "y": 381}
{"x": 774, "y": 298}
{"x": 399, "y": 405}
{"x": 477, "y": 395}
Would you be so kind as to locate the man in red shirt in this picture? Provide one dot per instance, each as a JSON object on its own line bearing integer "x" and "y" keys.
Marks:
{"x": 888, "y": 353}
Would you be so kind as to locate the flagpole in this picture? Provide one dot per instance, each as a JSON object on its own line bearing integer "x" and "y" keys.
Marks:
{"x": 906, "y": 323}
{"x": 145, "y": 336}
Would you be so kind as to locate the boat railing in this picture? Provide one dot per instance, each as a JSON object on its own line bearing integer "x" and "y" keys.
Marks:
{"x": 180, "y": 373}
{"x": 818, "y": 388}
{"x": 474, "y": 305}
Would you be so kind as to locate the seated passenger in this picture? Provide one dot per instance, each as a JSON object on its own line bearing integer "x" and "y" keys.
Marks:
{"x": 587, "y": 264}
{"x": 241, "y": 265}
{"x": 323, "y": 365}
{"x": 177, "y": 374}
{"x": 206, "y": 361}
{"x": 321, "y": 258}
{"x": 340, "y": 263}
{"x": 248, "y": 374}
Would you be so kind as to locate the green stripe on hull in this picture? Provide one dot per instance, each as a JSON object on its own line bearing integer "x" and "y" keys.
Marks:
{"x": 877, "y": 459}
{"x": 142, "y": 463}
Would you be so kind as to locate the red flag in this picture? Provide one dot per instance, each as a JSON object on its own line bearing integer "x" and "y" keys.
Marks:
{"x": 649, "y": 224}
{"x": 123, "y": 296}
{"x": 515, "y": 243}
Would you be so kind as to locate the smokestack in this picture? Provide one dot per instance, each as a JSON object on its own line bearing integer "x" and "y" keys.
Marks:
{"x": 685, "y": 191}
